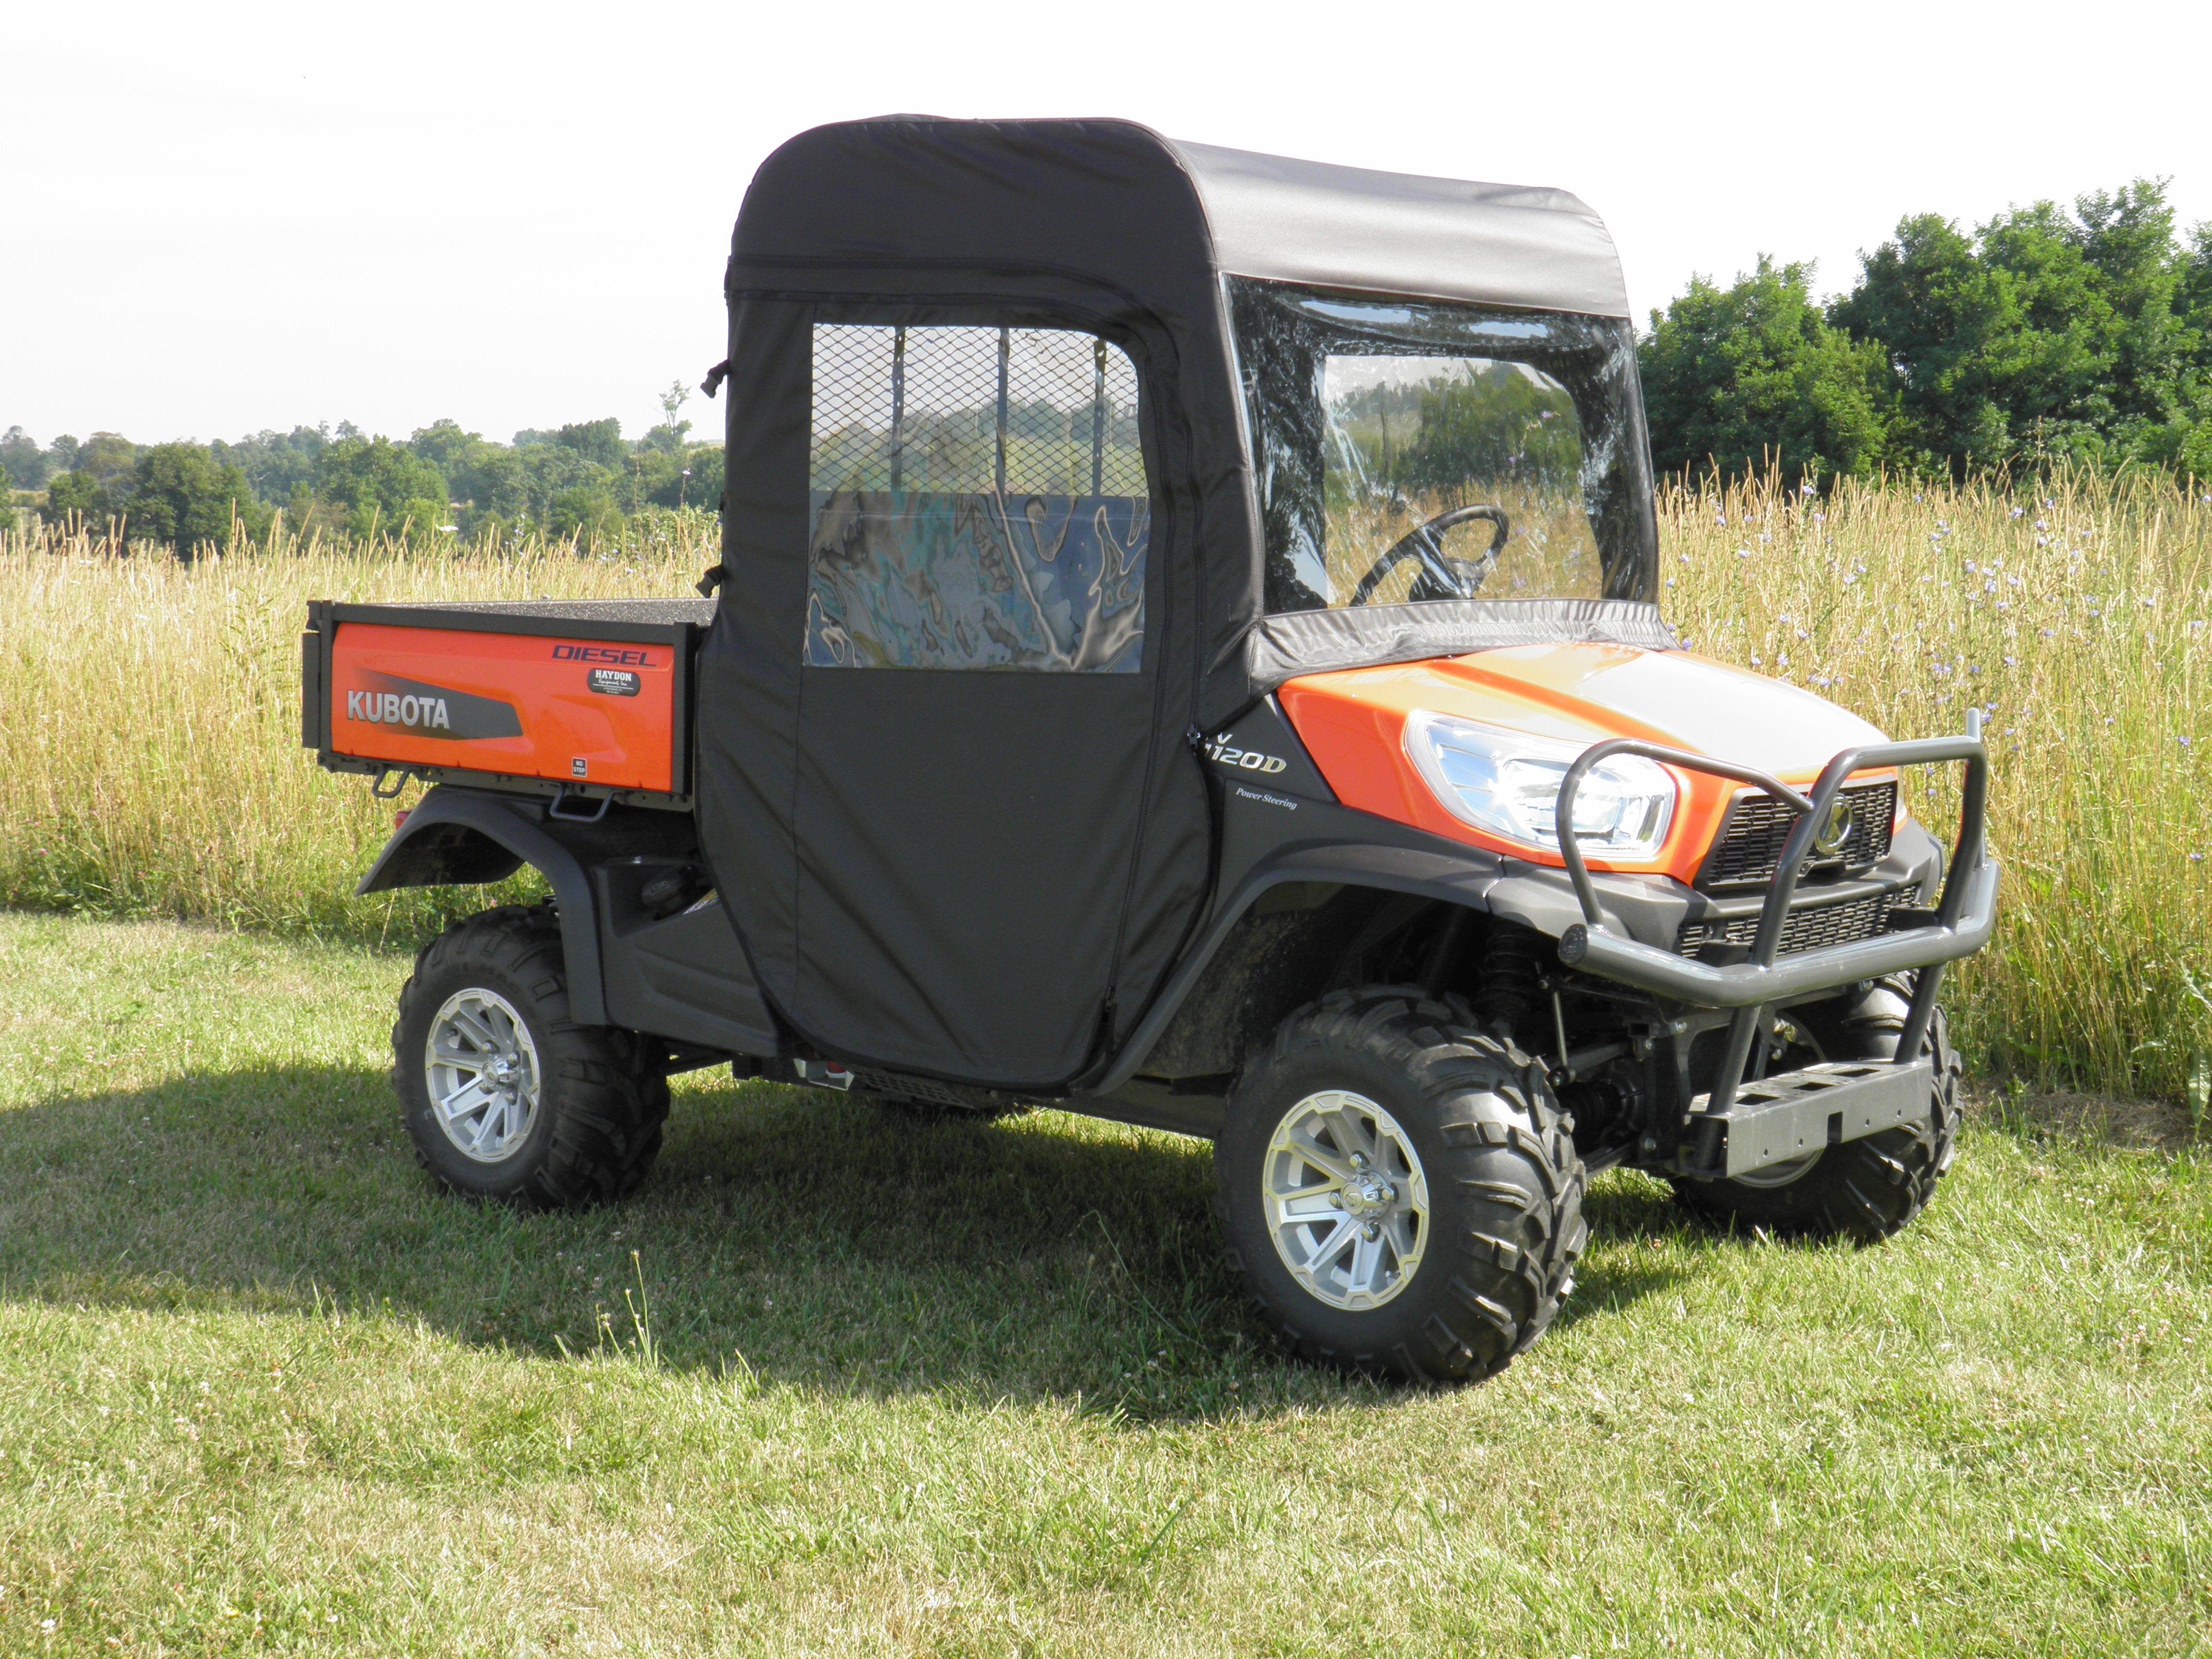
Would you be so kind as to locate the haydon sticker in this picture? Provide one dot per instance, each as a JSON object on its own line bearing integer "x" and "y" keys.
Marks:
{"x": 429, "y": 711}
{"x": 615, "y": 683}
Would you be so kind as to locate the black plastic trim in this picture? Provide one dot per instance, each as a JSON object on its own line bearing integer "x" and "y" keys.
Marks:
{"x": 503, "y": 822}
{"x": 567, "y": 622}
{"x": 1261, "y": 749}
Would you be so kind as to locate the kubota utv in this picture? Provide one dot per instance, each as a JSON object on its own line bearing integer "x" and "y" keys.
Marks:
{"x": 1186, "y": 652}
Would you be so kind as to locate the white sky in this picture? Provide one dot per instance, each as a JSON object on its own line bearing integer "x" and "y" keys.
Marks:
{"x": 219, "y": 217}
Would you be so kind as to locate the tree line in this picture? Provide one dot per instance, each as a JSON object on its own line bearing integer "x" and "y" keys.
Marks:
{"x": 2044, "y": 337}
{"x": 583, "y": 480}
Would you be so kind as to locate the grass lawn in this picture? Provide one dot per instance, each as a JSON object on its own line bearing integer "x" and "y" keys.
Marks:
{"x": 969, "y": 1387}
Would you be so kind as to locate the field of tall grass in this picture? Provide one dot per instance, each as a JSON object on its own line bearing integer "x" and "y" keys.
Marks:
{"x": 153, "y": 765}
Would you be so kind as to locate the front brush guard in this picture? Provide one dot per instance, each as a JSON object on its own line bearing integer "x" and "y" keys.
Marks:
{"x": 1964, "y": 915}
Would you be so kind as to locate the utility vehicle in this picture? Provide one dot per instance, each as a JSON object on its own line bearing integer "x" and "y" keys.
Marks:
{"x": 1185, "y": 649}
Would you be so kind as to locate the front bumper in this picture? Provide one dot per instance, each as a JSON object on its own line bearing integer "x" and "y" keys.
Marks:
{"x": 1960, "y": 926}
{"x": 1747, "y": 984}
{"x": 1753, "y": 1129}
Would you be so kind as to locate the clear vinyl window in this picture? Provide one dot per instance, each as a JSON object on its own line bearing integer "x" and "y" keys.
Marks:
{"x": 1414, "y": 450}
{"x": 979, "y": 501}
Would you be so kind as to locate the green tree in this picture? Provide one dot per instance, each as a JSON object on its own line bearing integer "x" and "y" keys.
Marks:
{"x": 597, "y": 442}
{"x": 78, "y": 494}
{"x": 701, "y": 489}
{"x": 277, "y": 463}
{"x": 550, "y": 470}
{"x": 382, "y": 484}
{"x": 96, "y": 485}
{"x": 670, "y": 433}
{"x": 109, "y": 457}
{"x": 2127, "y": 239}
{"x": 182, "y": 495}
{"x": 26, "y": 464}
{"x": 497, "y": 481}
{"x": 587, "y": 512}
{"x": 1498, "y": 425}
{"x": 2043, "y": 335}
{"x": 1735, "y": 376}
{"x": 446, "y": 447}
{"x": 2192, "y": 295}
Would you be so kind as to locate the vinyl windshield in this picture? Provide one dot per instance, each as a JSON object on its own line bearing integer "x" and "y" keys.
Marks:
{"x": 1515, "y": 437}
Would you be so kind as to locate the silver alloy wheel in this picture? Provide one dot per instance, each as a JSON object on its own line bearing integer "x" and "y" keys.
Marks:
{"x": 482, "y": 1070}
{"x": 1346, "y": 1202}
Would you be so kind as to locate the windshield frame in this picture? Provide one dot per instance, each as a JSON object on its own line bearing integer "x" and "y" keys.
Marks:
{"x": 1284, "y": 335}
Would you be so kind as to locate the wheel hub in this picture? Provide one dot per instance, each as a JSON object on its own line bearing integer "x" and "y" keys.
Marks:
{"x": 1368, "y": 1196}
{"x": 1346, "y": 1200}
{"x": 480, "y": 1067}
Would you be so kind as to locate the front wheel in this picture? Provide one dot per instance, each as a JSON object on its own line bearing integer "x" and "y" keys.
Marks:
{"x": 1399, "y": 1190}
{"x": 502, "y": 1094}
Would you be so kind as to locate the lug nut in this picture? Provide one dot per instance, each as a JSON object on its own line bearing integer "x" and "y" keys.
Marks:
{"x": 1371, "y": 1232}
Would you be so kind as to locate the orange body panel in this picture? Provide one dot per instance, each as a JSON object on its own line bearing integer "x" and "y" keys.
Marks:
{"x": 1353, "y": 722}
{"x": 523, "y": 705}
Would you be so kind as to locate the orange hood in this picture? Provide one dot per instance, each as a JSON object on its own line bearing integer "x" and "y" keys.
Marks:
{"x": 1353, "y": 721}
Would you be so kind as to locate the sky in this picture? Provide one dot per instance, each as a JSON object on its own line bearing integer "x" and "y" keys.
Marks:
{"x": 223, "y": 218}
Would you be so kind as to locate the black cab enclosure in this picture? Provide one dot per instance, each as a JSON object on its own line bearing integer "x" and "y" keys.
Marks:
{"x": 948, "y": 780}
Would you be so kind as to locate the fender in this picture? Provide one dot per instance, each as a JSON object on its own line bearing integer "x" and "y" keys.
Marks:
{"x": 1343, "y": 845}
{"x": 1268, "y": 840}
{"x": 464, "y": 836}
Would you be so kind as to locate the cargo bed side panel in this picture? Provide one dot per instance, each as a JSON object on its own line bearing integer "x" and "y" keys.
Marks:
{"x": 527, "y": 705}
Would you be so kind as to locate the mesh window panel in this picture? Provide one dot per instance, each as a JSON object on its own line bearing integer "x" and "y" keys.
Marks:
{"x": 979, "y": 501}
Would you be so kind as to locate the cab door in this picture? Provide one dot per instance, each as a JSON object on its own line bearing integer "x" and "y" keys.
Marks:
{"x": 974, "y": 724}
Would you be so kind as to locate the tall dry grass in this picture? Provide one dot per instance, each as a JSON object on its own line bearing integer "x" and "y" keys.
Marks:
{"x": 151, "y": 712}
{"x": 153, "y": 765}
{"x": 2078, "y": 615}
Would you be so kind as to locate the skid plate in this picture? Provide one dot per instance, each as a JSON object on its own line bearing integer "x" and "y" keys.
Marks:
{"x": 1787, "y": 1115}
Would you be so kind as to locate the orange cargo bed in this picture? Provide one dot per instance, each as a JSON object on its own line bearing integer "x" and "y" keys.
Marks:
{"x": 582, "y": 697}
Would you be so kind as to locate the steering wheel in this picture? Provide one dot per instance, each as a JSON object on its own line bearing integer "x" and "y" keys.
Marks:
{"x": 1441, "y": 578}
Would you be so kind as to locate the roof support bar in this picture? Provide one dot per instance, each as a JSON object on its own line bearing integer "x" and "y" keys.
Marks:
{"x": 1098, "y": 417}
{"x": 1005, "y": 352}
{"x": 898, "y": 404}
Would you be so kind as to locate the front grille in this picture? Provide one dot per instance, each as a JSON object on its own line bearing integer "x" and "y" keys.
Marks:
{"x": 1804, "y": 929}
{"x": 1750, "y": 845}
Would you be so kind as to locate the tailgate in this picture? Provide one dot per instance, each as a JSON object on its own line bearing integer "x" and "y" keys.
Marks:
{"x": 594, "y": 696}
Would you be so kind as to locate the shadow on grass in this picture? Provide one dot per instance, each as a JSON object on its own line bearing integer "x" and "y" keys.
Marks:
{"x": 831, "y": 1244}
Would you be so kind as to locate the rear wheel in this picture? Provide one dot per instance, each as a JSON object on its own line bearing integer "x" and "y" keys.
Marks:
{"x": 502, "y": 1093}
{"x": 1866, "y": 1189}
{"x": 1399, "y": 1190}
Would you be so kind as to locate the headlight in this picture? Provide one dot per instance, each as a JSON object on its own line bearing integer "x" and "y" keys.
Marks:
{"x": 1509, "y": 785}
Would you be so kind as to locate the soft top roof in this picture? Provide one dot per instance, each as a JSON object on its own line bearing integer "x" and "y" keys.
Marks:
{"x": 1259, "y": 216}
{"x": 1399, "y": 233}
